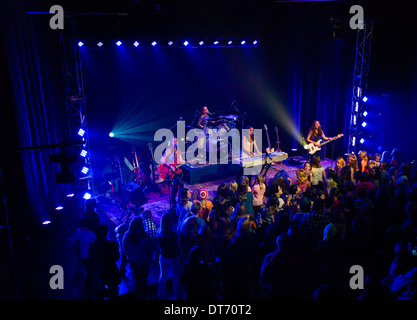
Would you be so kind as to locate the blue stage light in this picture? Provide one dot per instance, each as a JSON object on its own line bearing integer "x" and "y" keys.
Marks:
{"x": 255, "y": 42}
{"x": 83, "y": 153}
{"x": 185, "y": 43}
{"x": 362, "y": 140}
{"x": 84, "y": 170}
{"x": 80, "y": 44}
{"x": 216, "y": 42}
{"x": 70, "y": 195}
{"x": 46, "y": 222}
{"x": 154, "y": 43}
{"x": 81, "y": 132}
{"x": 118, "y": 43}
{"x": 365, "y": 113}
{"x": 87, "y": 195}
{"x": 364, "y": 124}
{"x": 365, "y": 99}
{"x": 100, "y": 44}
{"x": 136, "y": 43}
{"x": 59, "y": 208}
{"x": 243, "y": 42}
{"x": 170, "y": 43}
{"x": 230, "y": 42}
{"x": 111, "y": 134}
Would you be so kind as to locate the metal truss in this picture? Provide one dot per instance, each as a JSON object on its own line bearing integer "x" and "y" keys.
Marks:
{"x": 360, "y": 83}
{"x": 75, "y": 99}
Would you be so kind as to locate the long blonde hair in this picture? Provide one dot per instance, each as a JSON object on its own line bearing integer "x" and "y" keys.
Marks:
{"x": 302, "y": 175}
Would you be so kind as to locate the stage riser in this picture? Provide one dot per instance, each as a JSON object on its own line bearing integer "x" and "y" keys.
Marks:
{"x": 195, "y": 175}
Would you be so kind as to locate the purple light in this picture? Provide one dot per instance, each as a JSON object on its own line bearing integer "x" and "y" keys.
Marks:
{"x": 87, "y": 196}
{"x": 185, "y": 43}
{"x": 153, "y": 43}
{"x": 70, "y": 195}
{"x": 118, "y": 43}
{"x": 201, "y": 43}
{"x": 84, "y": 170}
{"x": 80, "y": 44}
{"x": 230, "y": 42}
{"x": 136, "y": 43}
{"x": 170, "y": 43}
{"x": 46, "y": 222}
{"x": 216, "y": 42}
{"x": 99, "y": 44}
{"x": 59, "y": 208}
{"x": 243, "y": 42}
{"x": 362, "y": 140}
{"x": 255, "y": 42}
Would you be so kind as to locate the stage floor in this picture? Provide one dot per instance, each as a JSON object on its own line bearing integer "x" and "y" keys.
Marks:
{"x": 158, "y": 202}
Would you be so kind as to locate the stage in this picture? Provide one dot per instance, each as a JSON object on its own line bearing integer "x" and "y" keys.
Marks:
{"x": 158, "y": 200}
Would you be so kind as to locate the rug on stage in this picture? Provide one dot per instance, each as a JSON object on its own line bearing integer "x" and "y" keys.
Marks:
{"x": 158, "y": 201}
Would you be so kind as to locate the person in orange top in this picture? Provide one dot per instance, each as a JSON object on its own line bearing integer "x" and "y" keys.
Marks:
{"x": 206, "y": 204}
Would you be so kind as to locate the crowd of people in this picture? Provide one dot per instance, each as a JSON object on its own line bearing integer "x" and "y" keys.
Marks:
{"x": 281, "y": 239}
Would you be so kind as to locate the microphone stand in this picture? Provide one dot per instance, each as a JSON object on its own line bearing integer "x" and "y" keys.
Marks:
{"x": 233, "y": 105}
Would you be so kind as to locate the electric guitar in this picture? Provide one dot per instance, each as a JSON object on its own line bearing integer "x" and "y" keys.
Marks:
{"x": 276, "y": 131}
{"x": 268, "y": 150}
{"x": 155, "y": 176}
{"x": 312, "y": 149}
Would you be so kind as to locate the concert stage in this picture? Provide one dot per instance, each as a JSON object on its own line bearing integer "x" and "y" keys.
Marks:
{"x": 158, "y": 200}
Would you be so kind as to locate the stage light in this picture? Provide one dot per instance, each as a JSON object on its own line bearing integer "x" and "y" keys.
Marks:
{"x": 153, "y": 43}
{"x": 84, "y": 170}
{"x": 81, "y": 132}
{"x": 111, "y": 134}
{"x": 243, "y": 42}
{"x": 170, "y": 43}
{"x": 364, "y": 124}
{"x": 356, "y": 106}
{"x": 255, "y": 42}
{"x": 118, "y": 43}
{"x": 365, "y": 99}
{"x": 216, "y": 42}
{"x": 230, "y": 42}
{"x": 46, "y": 222}
{"x": 365, "y": 113}
{"x": 83, "y": 153}
{"x": 201, "y": 43}
{"x": 353, "y": 141}
{"x": 136, "y": 43}
{"x": 185, "y": 43}
{"x": 59, "y": 208}
{"x": 80, "y": 44}
{"x": 362, "y": 140}
{"x": 87, "y": 195}
{"x": 70, "y": 195}
{"x": 99, "y": 44}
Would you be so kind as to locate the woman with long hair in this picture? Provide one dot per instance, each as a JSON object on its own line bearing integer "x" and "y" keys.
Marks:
{"x": 302, "y": 180}
{"x": 340, "y": 163}
{"x": 315, "y": 134}
{"x": 139, "y": 250}
{"x": 249, "y": 146}
{"x": 169, "y": 257}
{"x": 363, "y": 163}
{"x": 258, "y": 191}
{"x": 318, "y": 175}
{"x": 353, "y": 165}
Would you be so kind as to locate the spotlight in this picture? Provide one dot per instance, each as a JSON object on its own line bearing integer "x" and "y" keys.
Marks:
{"x": 364, "y": 124}
{"x": 365, "y": 113}
{"x": 362, "y": 140}
{"x": 99, "y": 44}
{"x": 136, "y": 43}
{"x": 87, "y": 195}
{"x": 255, "y": 42}
{"x": 170, "y": 43}
{"x": 216, "y": 42}
{"x": 230, "y": 42}
{"x": 243, "y": 42}
{"x": 111, "y": 134}
{"x": 353, "y": 141}
{"x": 46, "y": 222}
{"x": 365, "y": 99}
{"x": 153, "y": 43}
{"x": 201, "y": 43}
{"x": 83, "y": 153}
{"x": 59, "y": 208}
{"x": 84, "y": 170}
{"x": 118, "y": 43}
{"x": 70, "y": 195}
{"x": 80, "y": 44}
{"x": 185, "y": 43}
{"x": 81, "y": 132}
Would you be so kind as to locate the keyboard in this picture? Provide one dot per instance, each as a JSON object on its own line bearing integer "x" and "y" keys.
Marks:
{"x": 260, "y": 160}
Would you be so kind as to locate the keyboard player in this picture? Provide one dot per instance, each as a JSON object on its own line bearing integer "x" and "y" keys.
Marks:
{"x": 249, "y": 146}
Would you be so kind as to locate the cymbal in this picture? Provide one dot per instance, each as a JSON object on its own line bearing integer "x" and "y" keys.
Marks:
{"x": 230, "y": 116}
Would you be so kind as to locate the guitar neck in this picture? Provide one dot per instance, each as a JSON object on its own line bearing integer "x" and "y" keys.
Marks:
{"x": 267, "y": 137}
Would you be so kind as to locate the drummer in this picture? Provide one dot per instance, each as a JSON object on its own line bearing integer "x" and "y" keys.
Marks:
{"x": 203, "y": 121}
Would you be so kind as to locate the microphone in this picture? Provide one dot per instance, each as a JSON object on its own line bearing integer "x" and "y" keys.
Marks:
{"x": 210, "y": 113}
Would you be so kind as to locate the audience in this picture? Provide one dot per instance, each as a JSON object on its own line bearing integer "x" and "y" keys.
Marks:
{"x": 291, "y": 242}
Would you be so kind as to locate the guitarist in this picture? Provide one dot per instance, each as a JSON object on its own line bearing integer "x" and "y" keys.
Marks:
{"x": 170, "y": 159}
{"x": 315, "y": 134}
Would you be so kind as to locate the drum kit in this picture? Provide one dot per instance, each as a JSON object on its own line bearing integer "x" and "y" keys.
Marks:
{"x": 221, "y": 126}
